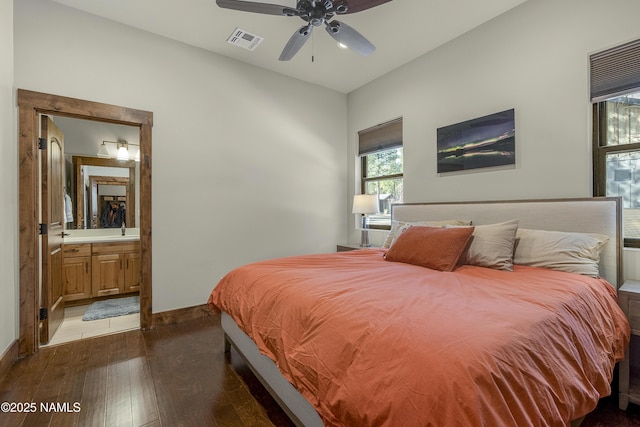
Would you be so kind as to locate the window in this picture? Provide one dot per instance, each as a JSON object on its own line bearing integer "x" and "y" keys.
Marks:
{"x": 381, "y": 157}
{"x": 617, "y": 158}
{"x": 615, "y": 93}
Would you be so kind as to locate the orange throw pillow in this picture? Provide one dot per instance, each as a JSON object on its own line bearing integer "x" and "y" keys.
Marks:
{"x": 432, "y": 247}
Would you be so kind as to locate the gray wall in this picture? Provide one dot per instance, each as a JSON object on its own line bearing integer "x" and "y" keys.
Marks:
{"x": 8, "y": 184}
{"x": 535, "y": 59}
{"x": 244, "y": 167}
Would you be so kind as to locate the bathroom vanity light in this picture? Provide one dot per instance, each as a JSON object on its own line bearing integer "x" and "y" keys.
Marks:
{"x": 122, "y": 150}
{"x": 103, "y": 151}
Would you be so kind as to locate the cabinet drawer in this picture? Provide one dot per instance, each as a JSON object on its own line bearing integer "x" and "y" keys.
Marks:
{"x": 115, "y": 248}
{"x": 76, "y": 250}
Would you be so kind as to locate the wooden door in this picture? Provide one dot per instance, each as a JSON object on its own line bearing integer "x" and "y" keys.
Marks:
{"x": 52, "y": 217}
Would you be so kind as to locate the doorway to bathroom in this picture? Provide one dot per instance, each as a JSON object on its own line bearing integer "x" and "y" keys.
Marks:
{"x": 31, "y": 106}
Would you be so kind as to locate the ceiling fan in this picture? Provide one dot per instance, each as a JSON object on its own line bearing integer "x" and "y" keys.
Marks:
{"x": 315, "y": 13}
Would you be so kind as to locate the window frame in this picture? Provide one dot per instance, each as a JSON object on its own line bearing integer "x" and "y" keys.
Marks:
{"x": 379, "y": 138}
{"x": 364, "y": 180}
{"x": 600, "y": 152}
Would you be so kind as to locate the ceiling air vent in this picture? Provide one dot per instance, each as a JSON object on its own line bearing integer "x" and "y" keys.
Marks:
{"x": 244, "y": 39}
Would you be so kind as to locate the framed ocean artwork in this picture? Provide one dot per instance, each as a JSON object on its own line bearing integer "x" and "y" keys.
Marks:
{"x": 478, "y": 143}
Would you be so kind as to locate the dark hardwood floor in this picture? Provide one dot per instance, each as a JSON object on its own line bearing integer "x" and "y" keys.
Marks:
{"x": 176, "y": 375}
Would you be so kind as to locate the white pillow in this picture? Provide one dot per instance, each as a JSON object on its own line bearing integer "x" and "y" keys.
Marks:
{"x": 492, "y": 246}
{"x": 398, "y": 226}
{"x": 571, "y": 252}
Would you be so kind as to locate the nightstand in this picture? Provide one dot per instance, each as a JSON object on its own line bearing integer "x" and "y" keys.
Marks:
{"x": 353, "y": 247}
{"x": 629, "y": 381}
{"x": 348, "y": 247}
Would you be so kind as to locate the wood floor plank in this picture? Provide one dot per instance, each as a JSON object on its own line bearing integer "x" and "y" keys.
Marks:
{"x": 118, "y": 400}
{"x": 161, "y": 366}
{"x": 46, "y": 395}
{"x": 72, "y": 386}
{"x": 144, "y": 408}
{"x": 118, "y": 386}
{"x": 94, "y": 391}
{"x": 20, "y": 384}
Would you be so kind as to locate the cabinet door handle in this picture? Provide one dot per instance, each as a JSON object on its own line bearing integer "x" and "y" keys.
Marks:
{"x": 86, "y": 267}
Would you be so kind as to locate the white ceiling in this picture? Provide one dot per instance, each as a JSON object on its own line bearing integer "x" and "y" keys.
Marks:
{"x": 402, "y": 30}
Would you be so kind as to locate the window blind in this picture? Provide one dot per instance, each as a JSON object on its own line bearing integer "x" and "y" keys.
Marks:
{"x": 615, "y": 71}
{"x": 381, "y": 137}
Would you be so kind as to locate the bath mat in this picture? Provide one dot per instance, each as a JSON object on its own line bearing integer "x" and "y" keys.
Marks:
{"x": 112, "y": 308}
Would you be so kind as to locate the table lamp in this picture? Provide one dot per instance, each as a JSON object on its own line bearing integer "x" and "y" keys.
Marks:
{"x": 365, "y": 204}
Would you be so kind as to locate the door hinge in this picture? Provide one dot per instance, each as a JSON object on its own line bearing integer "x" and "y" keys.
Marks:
{"x": 42, "y": 143}
{"x": 43, "y": 313}
{"x": 42, "y": 229}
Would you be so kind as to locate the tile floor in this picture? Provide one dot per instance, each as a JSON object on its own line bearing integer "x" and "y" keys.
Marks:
{"x": 73, "y": 328}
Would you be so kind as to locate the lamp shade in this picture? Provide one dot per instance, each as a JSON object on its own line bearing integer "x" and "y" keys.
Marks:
{"x": 365, "y": 204}
{"x": 103, "y": 151}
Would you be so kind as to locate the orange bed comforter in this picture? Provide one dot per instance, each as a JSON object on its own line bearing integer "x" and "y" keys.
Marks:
{"x": 370, "y": 342}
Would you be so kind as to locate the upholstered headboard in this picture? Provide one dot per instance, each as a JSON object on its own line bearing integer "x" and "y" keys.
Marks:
{"x": 586, "y": 215}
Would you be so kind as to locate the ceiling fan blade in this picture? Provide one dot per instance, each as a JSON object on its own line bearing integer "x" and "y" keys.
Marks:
{"x": 297, "y": 40}
{"x": 255, "y": 7}
{"x": 360, "y": 5}
{"x": 349, "y": 37}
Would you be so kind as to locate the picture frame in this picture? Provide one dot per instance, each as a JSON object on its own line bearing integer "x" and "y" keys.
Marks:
{"x": 483, "y": 142}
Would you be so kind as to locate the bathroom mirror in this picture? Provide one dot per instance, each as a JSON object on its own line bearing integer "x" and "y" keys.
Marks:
{"x": 105, "y": 192}
{"x": 102, "y": 192}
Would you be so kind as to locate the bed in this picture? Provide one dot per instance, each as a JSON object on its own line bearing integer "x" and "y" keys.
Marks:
{"x": 405, "y": 336}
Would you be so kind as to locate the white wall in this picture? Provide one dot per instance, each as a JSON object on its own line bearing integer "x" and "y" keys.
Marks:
{"x": 533, "y": 58}
{"x": 244, "y": 165}
{"x": 8, "y": 184}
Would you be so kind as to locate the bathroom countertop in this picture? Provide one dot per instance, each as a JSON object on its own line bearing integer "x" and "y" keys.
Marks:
{"x": 101, "y": 236}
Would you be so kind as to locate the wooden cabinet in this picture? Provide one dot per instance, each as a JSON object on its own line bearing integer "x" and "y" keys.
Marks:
{"x": 101, "y": 269}
{"x": 107, "y": 274}
{"x": 114, "y": 268}
{"x": 629, "y": 380}
{"x": 76, "y": 271}
{"x": 132, "y": 271}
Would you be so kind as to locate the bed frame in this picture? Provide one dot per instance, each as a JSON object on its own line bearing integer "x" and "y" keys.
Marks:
{"x": 587, "y": 215}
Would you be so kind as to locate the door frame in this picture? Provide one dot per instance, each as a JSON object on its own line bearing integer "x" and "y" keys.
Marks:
{"x": 30, "y": 105}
